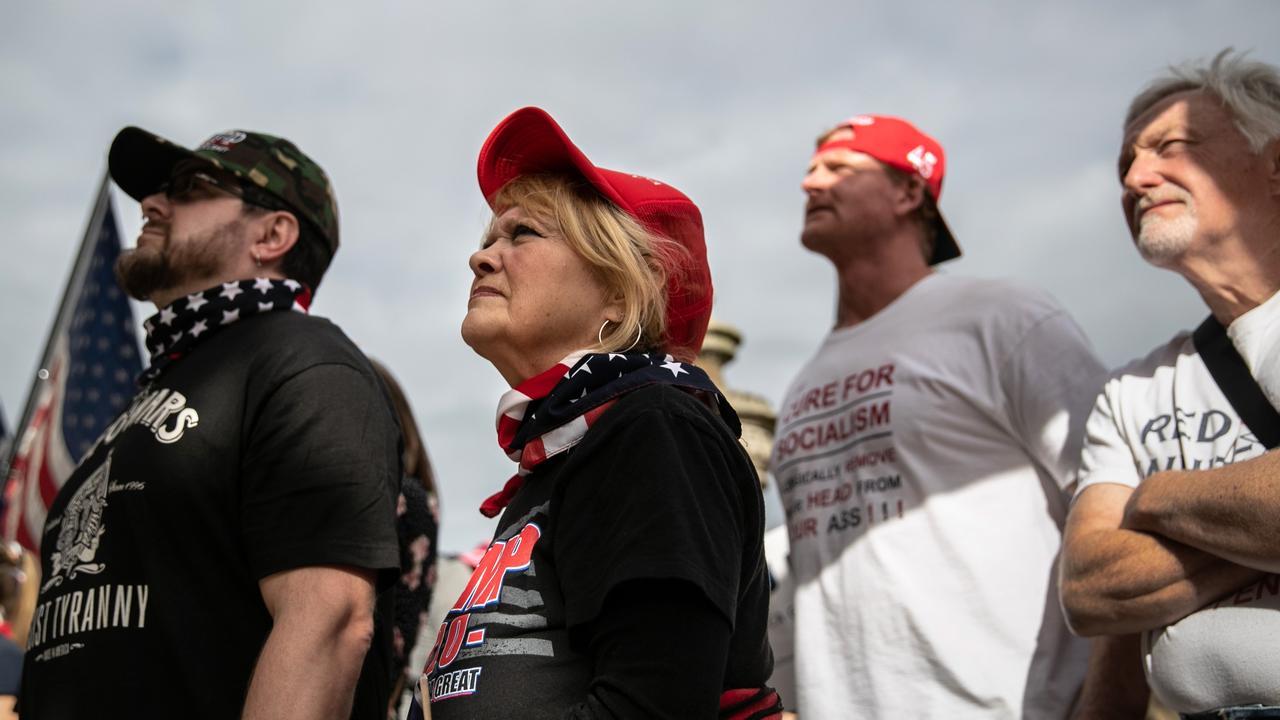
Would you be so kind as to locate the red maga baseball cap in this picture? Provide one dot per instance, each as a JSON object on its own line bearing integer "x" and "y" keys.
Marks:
{"x": 897, "y": 143}
{"x": 529, "y": 142}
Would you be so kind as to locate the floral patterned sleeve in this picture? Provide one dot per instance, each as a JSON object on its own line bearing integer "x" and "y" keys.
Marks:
{"x": 417, "y": 524}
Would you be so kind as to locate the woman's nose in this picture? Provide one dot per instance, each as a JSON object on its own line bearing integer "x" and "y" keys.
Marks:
{"x": 484, "y": 261}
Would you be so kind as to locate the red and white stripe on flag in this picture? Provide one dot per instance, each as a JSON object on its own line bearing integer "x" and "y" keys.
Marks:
{"x": 41, "y": 463}
{"x": 86, "y": 380}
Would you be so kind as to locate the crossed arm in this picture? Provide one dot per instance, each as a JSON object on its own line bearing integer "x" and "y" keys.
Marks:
{"x": 322, "y": 624}
{"x": 1139, "y": 559}
{"x": 1229, "y": 512}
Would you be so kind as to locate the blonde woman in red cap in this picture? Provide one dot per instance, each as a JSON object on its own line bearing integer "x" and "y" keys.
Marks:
{"x": 626, "y": 577}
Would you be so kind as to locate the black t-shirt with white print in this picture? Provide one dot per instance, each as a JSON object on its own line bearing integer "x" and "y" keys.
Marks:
{"x": 269, "y": 447}
{"x": 659, "y": 490}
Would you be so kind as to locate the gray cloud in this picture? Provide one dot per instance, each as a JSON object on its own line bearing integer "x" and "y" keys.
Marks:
{"x": 720, "y": 98}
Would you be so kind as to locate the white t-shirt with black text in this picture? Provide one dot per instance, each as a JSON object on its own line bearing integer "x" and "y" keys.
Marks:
{"x": 1165, "y": 412}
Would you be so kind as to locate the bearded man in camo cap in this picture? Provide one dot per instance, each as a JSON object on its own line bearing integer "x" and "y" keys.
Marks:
{"x": 217, "y": 551}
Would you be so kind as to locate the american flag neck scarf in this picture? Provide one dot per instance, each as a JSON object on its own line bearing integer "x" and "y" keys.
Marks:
{"x": 551, "y": 411}
{"x": 189, "y": 320}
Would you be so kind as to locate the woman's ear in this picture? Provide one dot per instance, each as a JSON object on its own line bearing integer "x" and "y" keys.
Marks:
{"x": 615, "y": 308}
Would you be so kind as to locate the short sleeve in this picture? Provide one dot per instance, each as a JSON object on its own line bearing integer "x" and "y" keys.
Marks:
{"x": 658, "y": 494}
{"x": 1105, "y": 456}
{"x": 320, "y": 474}
{"x": 1257, "y": 339}
{"x": 1050, "y": 381}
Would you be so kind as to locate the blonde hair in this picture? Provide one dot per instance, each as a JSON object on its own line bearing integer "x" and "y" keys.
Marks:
{"x": 630, "y": 261}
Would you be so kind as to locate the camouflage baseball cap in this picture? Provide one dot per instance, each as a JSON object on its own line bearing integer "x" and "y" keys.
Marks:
{"x": 141, "y": 163}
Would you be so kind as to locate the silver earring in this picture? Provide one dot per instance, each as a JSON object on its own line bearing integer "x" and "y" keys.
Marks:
{"x": 257, "y": 260}
{"x": 600, "y": 336}
{"x": 634, "y": 342}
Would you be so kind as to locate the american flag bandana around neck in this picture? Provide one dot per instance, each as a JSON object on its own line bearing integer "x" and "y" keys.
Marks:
{"x": 550, "y": 412}
{"x": 189, "y": 320}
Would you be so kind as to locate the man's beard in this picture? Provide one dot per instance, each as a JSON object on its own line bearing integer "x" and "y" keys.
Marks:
{"x": 141, "y": 271}
{"x": 1162, "y": 240}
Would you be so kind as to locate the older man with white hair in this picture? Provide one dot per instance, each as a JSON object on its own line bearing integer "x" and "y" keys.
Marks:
{"x": 1172, "y": 539}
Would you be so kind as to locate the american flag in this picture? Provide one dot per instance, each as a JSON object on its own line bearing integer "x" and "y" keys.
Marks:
{"x": 85, "y": 380}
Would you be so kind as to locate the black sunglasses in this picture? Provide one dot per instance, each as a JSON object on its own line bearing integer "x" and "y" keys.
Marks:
{"x": 187, "y": 186}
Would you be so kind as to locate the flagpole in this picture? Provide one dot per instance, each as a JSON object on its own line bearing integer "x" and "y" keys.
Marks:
{"x": 65, "y": 308}
{"x": 5, "y": 440}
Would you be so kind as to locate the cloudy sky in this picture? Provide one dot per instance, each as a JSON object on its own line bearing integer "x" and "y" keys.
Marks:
{"x": 721, "y": 98}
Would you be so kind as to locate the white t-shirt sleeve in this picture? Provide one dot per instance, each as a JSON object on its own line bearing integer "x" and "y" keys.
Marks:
{"x": 1256, "y": 335}
{"x": 1106, "y": 456}
{"x": 1050, "y": 379}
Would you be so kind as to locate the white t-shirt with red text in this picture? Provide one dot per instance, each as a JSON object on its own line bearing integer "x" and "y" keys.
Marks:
{"x": 923, "y": 457}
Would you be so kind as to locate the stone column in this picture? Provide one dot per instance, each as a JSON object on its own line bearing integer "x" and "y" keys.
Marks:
{"x": 758, "y": 417}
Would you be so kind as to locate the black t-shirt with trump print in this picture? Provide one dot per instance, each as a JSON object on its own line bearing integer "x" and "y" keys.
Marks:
{"x": 657, "y": 492}
{"x": 269, "y": 447}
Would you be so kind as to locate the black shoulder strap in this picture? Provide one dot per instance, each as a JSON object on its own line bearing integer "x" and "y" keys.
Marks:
{"x": 1236, "y": 382}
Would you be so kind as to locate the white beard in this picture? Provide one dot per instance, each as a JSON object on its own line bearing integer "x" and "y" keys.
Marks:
{"x": 1162, "y": 240}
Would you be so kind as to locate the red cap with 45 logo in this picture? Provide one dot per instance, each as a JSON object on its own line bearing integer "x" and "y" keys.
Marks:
{"x": 899, "y": 144}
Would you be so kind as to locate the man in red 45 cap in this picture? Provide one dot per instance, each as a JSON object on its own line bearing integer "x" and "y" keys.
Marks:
{"x": 924, "y": 456}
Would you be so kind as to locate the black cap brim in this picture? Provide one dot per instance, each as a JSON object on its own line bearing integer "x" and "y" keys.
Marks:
{"x": 141, "y": 162}
{"x": 944, "y": 247}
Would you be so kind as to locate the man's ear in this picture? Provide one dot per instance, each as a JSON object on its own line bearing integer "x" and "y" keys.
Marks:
{"x": 280, "y": 234}
{"x": 1272, "y": 154}
{"x": 911, "y": 195}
